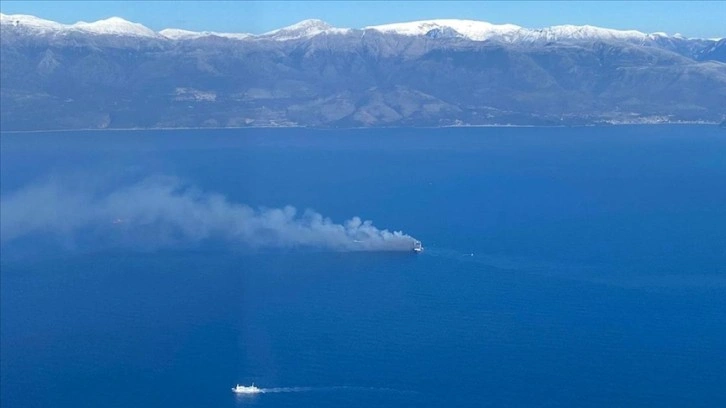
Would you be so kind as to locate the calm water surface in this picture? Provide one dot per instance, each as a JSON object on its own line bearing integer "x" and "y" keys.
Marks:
{"x": 564, "y": 267}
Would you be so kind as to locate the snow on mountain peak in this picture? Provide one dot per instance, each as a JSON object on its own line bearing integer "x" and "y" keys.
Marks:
{"x": 179, "y": 34}
{"x": 312, "y": 23}
{"x": 304, "y": 29}
{"x": 480, "y": 31}
{"x": 434, "y": 29}
{"x": 115, "y": 26}
{"x": 30, "y": 22}
{"x": 585, "y": 32}
{"x": 471, "y": 29}
{"x": 110, "y": 26}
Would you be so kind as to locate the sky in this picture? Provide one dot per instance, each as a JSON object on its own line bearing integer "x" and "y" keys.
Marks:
{"x": 705, "y": 19}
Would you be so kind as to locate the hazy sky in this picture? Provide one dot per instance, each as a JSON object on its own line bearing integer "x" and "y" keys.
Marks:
{"x": 690, "y": 18}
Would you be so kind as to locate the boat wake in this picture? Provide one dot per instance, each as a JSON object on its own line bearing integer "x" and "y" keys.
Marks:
{"x": 285, "y": 389}
{"x": 275, "y": 390}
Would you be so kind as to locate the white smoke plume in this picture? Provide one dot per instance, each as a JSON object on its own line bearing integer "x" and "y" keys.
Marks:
{"x": 163, "y": 211}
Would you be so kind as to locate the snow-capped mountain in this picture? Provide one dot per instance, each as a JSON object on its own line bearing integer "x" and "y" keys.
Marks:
{"x": 303, "y": 29}
{"x": 178, "y": 34}
{"x": 432, "y": 73}
{"x": 114, "y": 26}
{"x": 482, "y": 31}
{"x": 586, "y": 32}
{"x": 469, "y": 29}
{"x": 441, "y": 28}
{"x": 32, "y": 24}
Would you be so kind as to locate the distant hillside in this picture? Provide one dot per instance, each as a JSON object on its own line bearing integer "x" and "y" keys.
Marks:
{"x": 118, "y": 74}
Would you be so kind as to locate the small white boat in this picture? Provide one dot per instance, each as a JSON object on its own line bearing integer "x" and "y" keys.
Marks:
{"x": 417, "y": 246}
{"x": 241, "y": 389}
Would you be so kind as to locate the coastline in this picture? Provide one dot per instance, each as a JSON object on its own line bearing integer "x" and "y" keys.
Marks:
{"x": 680, "y": 123}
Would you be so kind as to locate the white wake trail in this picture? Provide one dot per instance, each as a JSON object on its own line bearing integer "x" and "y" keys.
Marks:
{"x": 274, "y": 390}
{"x": 287, "y": 389}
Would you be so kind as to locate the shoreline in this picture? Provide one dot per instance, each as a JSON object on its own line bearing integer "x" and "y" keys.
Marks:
{"x": 699, "y": 123}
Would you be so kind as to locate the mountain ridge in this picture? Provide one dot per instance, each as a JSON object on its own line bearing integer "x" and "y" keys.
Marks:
{"x": 475, "y": 30}
{"x": 57, "y": 76}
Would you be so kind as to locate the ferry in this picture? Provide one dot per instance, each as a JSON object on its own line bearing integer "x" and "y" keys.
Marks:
{"x": 241, "y": 389}
{"x": 417, "y": 247}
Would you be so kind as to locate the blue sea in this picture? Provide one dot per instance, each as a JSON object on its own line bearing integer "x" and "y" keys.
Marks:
{"x": 563, "y": 267}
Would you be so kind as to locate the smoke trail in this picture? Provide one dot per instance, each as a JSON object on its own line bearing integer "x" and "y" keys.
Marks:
{"x": 163, "y": 211}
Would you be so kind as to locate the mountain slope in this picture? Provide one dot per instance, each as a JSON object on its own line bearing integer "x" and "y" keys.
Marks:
{"x": 116, "y": 74}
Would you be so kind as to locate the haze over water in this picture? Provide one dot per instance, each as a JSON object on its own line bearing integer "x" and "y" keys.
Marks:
{"x": 563, "y": 267}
